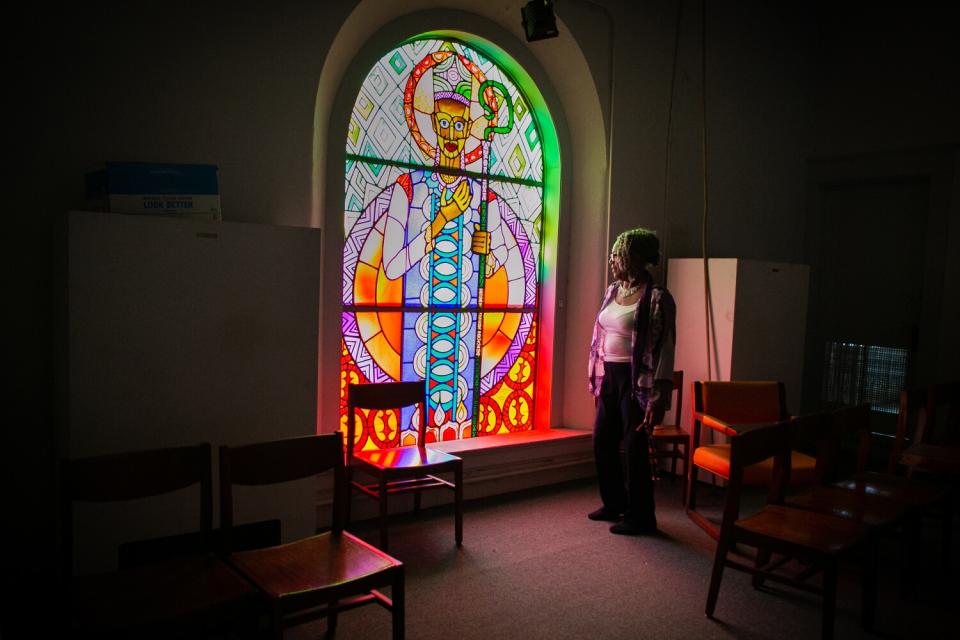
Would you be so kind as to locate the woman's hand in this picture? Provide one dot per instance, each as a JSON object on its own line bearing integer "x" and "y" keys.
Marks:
{"x": 652, "y": 417}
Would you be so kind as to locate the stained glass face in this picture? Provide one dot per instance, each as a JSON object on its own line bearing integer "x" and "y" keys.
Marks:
{"x": 443, "y": 227}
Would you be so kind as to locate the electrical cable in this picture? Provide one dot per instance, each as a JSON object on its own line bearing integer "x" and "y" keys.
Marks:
{"x": 611, "y": 84}
{"x": 666, "y": 153}
{"x": 706, "y": 202}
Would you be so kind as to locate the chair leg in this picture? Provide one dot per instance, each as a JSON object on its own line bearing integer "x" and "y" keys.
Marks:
{"x": 384, "y": 542}
{"x": 332, "y": 620}
{"x": 673, "y": 462}
{"x": 947, "y": 529}
{"x": 868, "y": 586}
{"x": 762, "y": 559}
{"x": 398, "y": 597}
{"x": 829, "y": 600}
{"x": 349, "y": 501}
{"x": 416, "y": 502}
{"x": 276, "y": 621}
{"x": 458, "y": 502}
{"x": 719, "y": 561}
{"x": 692, "y": 488}
{"x": 686, "y": 473}
{"x": 910, "y": 541}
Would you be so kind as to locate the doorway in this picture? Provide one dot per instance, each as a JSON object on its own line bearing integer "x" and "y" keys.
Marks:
{"x": 875, "y": 244}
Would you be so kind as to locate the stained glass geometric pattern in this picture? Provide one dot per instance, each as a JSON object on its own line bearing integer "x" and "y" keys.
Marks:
{"x": 443, "y": 228}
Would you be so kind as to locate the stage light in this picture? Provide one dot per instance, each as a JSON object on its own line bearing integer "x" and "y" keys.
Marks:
{"x": 538, "y": 20}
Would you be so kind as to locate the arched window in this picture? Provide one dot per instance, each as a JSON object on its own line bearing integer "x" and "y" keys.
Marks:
{"x": 443, "y": 222}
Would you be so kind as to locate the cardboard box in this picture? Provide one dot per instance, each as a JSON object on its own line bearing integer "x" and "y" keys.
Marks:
{"x": 189, "y": 190}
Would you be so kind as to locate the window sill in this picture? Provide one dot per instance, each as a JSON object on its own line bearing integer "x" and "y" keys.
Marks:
{"x": 498, "y": 464}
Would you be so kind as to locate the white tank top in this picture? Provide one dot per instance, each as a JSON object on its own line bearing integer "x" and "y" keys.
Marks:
{"x": 617, "y": 323}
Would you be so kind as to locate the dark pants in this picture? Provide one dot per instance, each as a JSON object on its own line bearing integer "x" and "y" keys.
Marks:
{"x": 618, "y": 415}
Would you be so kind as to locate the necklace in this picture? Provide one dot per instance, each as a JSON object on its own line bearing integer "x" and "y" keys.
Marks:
{"x": 627, "y": 292}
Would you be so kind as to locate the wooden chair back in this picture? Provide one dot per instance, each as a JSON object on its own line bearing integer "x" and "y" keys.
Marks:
{"x": 911, "y": 419}
{"x": 942, "y": 425}
{"x": 754, "y": 445}
{"x": 927, "y": 415}
{"x": 386, "y": 395}
{"x": 280, "y": 461}
{"x": 133, "y": 475}
{"x": 678, "y": 388}
{"x": 829, "y": 432}
{"x": 852, "y": 422}
{"x": 741, "y": 402}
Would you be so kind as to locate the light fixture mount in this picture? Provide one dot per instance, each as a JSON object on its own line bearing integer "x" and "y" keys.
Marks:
{"x": 539, "y": 22}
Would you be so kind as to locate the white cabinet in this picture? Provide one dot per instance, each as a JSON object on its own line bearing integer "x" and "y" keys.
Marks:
{"x": 759, "y": 322}
{"x": 180, "y": 331}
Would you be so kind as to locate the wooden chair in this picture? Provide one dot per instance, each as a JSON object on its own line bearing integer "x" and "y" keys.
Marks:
{"x": 725, "y": 407}
{"x": 827, "y": 496}
{"x": 921, "y": 498}
{"x": 933, "y": 447}
{"x": 676, "y": 437}
{"x": 819, "y": 541}
{"x": 917, "y": 492}
{"x": 180, "y": 596}
{"x": 321, "y": 575}
{"x": 399, "y": 469}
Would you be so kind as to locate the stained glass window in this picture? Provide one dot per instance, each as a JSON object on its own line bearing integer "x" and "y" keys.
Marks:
{"x": 443, "y": 226}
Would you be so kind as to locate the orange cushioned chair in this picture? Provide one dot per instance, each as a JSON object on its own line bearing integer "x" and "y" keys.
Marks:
{"x": 723, "y": 407}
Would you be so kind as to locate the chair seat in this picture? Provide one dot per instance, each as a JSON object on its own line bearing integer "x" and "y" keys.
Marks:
{"x": 312, "y": 565}
{"x": 410, "y": 457}
{"x": 177, "y": 590}
{"x": 933, "y": 458}
{"x": 804, "y": 529}
{"x": 715, "y": 458}
{"x": 914, "y": 492}
{"x": 869, "y": 509}
{"x": 664, "y": 432}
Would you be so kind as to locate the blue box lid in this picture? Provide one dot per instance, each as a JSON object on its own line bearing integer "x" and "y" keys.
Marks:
{"x": 132, "y": 178}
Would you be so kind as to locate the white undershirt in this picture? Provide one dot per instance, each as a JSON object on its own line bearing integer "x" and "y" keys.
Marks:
{"x": 617, "y": 322}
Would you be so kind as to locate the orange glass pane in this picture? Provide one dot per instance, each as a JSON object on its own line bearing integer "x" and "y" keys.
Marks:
{"x": 365, "y": 284}
{"x": 385, "y": 355}
{"x": 369, "y": 324}
{"x": 491, "y": 324}
{"x": 392, "y": 325}
{"x": 495, "y": 288}
{"x": 389, "y": 292}
{"x": 511, "y": 322}
{"x": 494, "y": 350}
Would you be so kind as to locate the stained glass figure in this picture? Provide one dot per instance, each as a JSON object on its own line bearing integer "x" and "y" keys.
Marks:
{"x": 442, "y": 251}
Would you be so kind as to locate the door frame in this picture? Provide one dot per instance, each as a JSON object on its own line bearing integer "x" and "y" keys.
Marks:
{"x": 939, "y": 166}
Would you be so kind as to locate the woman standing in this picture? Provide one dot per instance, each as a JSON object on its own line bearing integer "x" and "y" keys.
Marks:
{"x": 631, "y": 373}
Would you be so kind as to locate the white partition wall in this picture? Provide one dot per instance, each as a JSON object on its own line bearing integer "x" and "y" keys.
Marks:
{"x": 759, "y": 322}
{"x": 181, "y": 331}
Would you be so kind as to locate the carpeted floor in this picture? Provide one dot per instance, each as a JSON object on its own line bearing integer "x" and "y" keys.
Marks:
{"x": 533, "y": 566}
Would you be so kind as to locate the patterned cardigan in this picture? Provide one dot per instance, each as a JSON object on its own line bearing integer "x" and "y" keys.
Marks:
{"x": 652, "y": 346}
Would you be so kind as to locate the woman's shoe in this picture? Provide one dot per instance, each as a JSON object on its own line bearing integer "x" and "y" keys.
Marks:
{"x": 625, "y": 528}
{"x": 604, "y": 514}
